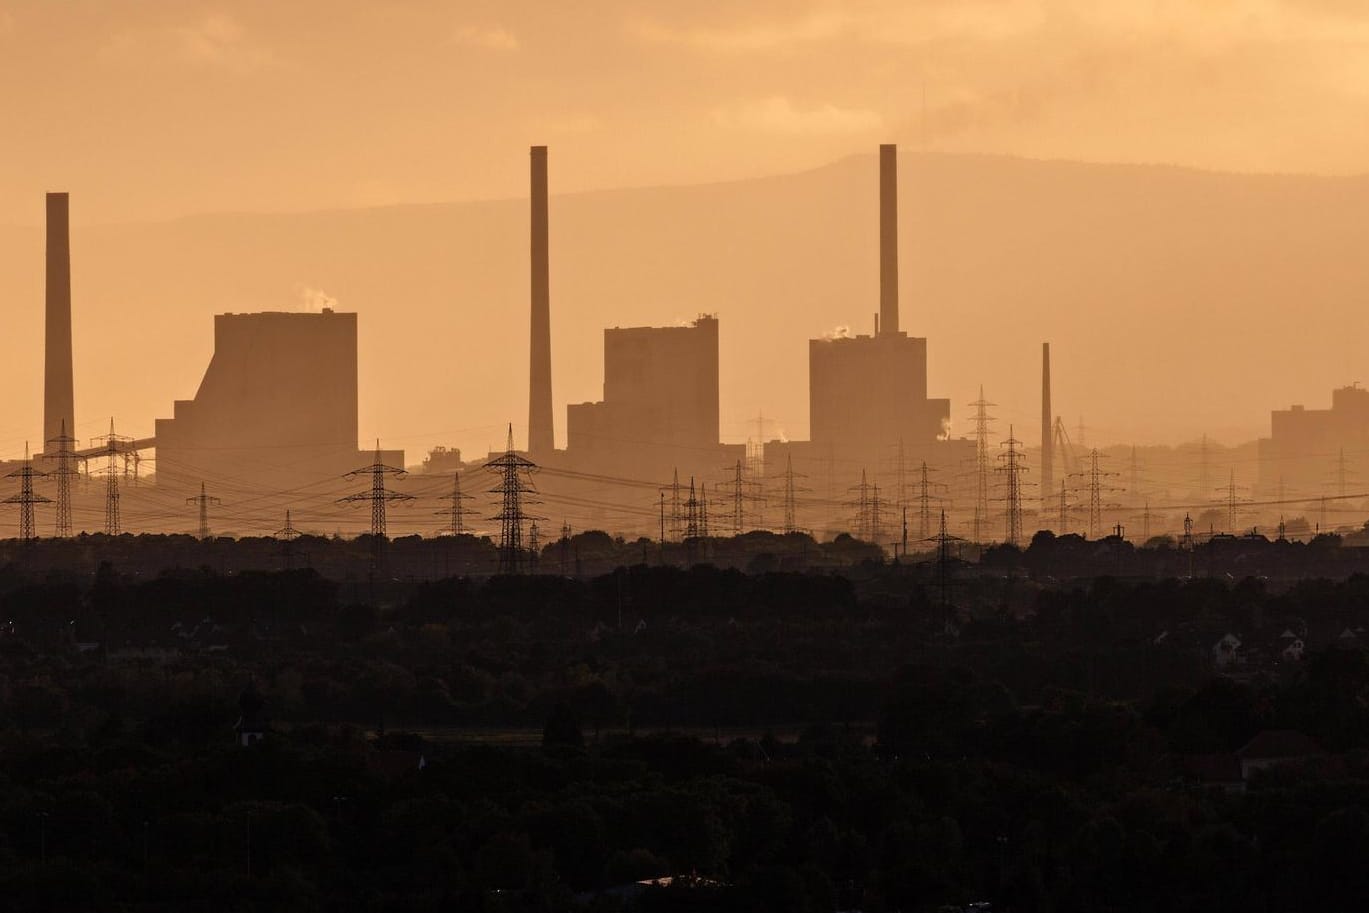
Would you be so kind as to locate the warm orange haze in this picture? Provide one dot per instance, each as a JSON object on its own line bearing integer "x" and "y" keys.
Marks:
{"x": 722, "y": 267}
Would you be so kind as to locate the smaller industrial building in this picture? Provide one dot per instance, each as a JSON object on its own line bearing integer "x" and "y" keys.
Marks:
{"x": 1301, "y": 457}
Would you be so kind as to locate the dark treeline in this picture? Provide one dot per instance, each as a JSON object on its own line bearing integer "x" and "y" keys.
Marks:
{"x": 779, "y": 741}
{"x": 415, "y": 558}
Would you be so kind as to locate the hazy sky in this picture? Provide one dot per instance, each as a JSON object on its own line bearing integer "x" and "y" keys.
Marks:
{"x": 153, "y": 109}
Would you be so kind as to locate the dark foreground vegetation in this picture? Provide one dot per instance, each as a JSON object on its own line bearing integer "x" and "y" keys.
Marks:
{"x": 775, "y": 741}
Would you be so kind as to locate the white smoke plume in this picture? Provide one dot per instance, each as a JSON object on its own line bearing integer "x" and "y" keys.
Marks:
{"x": 313, "y": 300}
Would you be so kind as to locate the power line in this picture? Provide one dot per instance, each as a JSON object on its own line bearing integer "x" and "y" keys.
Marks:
{"x": 109, "y": 445}
{"x": 457, "y": 511}
{"x": 26, "y": 498}
{"x": 203, "y": 500}
{"x": 1012, "y": 468}
{"x": 515, "y": 490}
{"x": 63, "y": 449}
{"x": 378, "y": 496}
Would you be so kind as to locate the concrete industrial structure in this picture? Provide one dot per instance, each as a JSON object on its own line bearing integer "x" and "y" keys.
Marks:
{"x": 868, "y": 394}
{"x": 541, "y": 431}
{"x": 1301, "y": 455}
{"x": 59, "y": 399}
{"x": 660, "y": 394}
{"x": 277, "y": 407}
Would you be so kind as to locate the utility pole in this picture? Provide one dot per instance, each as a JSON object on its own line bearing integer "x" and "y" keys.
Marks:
{"x": 876, "y": 518}
{"x": 943, "y": 541}
{"x": 63, "y": 449}
{"x": 738, "y": 500}
{"x": 515, "y": 490}
{"x": 456, "y": 514}
{"x": 112, "y": 444}
{"x": 1094, "y": 477}
{"x": 26, "y": 498}
{"x": 1013, "y": 467}
{"x": 676, "y": 518}
{"x": 1187, "y": 542}
{"x": 924, "y": 503}
{"x": 1064, "y": 511}
{"x": 565, "y": 549}
{"x": 790, "y": 492}
{"x": 287, "y": 536}
{"x": 1229, "y": 491}
{"x": 379, "y": 496}
{"x": 203, "y": 500}
{"x": 862, "y": 505}
{"x": 981, "y": 458}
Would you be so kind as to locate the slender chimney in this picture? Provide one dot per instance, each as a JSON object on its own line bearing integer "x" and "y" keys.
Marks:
{"x": 888, "y": 239}
{"x": 541, "y": 435}
{"x": 1047, "y": 430}
{"x": 58, "y": 390}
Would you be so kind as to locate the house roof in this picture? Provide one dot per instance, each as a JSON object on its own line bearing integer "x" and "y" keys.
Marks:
{"x": 1279, "y": 743}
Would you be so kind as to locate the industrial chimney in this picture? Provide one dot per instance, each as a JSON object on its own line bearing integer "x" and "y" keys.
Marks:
{"x": 888, "y": 239}
{"x": 58, "y": 396}
{"x": 1047, "y": 431}
{"x": 541, "y": 435}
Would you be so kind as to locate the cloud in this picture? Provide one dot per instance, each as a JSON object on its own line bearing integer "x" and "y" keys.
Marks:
{"x": 493, "y": 38}
{"x": 778, "y": 114}
{"x": 745, "y": 37}
{"x": 215, "y": 42}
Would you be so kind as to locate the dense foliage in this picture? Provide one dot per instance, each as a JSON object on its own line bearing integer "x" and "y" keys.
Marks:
{"x": 779, "y": 741}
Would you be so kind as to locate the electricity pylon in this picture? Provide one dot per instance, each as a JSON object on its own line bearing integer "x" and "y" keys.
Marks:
{"x": 378, "y": 496}
{"x": 287, "y": 536}
{"x": 203, "y": 500}
{"x": 62, "y": 449}
{"x": 515, "y": 490}
{"x": 26, "y": 498}
{"x": 110, "y": 444}
{"x": 791, "y": 490}
{"x": 1012, "y": 468}
{"x": 456, "y": 514}
{"x": 981, "y": 461}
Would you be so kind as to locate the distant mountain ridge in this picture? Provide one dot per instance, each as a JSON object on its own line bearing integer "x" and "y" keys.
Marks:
{"x": 1177, "y": 301}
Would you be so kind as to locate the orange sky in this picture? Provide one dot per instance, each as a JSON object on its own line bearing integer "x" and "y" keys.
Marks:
{"x": 156, "y": 109}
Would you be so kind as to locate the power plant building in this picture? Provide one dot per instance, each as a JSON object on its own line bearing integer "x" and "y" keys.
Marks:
{"x": 277, "y": 407}
{"x": 1301, "y": 455}
{"x": 868, "y": 394}
{"x": 660, "y": 404}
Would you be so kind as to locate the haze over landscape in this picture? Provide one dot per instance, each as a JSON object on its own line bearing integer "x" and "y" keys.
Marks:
{"x": 711, "y": 160}
{"x": 624, "y": 457}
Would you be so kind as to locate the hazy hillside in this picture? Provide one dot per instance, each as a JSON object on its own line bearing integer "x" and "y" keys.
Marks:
{"x": 1175, "y": 300}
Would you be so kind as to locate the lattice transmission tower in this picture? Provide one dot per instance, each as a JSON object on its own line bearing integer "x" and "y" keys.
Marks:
{"x": 112, "y": 445}
{"x": 456, "y": 512}
{"x": 378, "y": 495}
{"x": 203, "y": 501}
{"x": 1094, "y": 481}
{"x": 27, "y": 497}
{"x": 1014, "y": 465}
{"x": 287, "y": 535}
{"x": 62, "y": 451}
{"x": 516, "y": 492}
{"x": 981, "y": 464}
{"x": 791, "y": 490}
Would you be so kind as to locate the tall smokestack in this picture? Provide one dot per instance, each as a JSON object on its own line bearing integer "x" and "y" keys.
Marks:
{"x": 1047, "y": 429}
{"x": 541, "y": 436}
{"x": 888, "y": 239}
{"x": 59, "y": 405}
